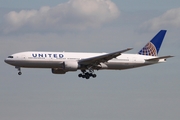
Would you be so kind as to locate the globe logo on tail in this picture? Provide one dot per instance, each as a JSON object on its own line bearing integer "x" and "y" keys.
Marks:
{"x": 149, "y": 50}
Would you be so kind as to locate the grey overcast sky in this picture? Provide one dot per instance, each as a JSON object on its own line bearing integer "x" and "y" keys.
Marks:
{"x": 147, "y": 93}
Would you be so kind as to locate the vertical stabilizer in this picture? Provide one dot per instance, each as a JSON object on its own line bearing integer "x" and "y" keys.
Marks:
{"x": 152, "y": 48}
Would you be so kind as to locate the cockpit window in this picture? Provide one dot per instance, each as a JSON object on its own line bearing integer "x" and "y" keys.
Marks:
{"x": 10, "y": 56}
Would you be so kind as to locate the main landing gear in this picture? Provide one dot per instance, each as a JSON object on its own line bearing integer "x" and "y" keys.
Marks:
{"x": 19, "y": 70}
{"x": 87, "y": 75}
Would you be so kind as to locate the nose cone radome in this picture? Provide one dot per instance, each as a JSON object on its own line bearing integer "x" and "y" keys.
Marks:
{"x": 7, "y": 61}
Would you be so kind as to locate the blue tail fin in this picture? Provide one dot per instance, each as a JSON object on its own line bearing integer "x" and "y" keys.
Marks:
{"x": 152, "y": 48}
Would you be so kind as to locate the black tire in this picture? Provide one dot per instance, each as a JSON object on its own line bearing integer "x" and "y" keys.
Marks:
{"x": 90, "y": 74}
{"x": 94, "y": 75}
{"x": 87, "y": 77}
{"x": 87, "y": 74}
{"x": 83, "y": 76}
{"x": 19, "y": 73}
{"x": 80, "y": 75}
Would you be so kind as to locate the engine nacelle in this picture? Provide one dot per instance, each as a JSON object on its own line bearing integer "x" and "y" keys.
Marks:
{"x": 71, "y": 65}
{"x": 66, "y": 66}
{"x": 58, "y": 71}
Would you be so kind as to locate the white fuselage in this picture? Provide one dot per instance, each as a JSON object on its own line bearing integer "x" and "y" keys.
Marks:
{"x": 55, "y": 59}
{"x": 62, "y": 62}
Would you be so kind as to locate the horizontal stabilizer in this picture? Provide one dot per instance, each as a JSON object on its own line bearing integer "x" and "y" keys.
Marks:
{"x": 158, "y": 58}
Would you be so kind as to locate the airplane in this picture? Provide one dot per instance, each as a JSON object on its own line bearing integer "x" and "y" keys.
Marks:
{"x": 62, "y": 62}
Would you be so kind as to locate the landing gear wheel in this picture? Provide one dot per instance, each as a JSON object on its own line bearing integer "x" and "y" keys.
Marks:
{"x": 87, "y": 75}
{"x": 94, "y": 75}
{"x": 80, "y": 75}
{"x": 19, "y": 73}
{"x": 19, "y": 70}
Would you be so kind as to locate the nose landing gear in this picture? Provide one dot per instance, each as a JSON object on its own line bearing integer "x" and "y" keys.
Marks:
{"x": 19, "y": 70}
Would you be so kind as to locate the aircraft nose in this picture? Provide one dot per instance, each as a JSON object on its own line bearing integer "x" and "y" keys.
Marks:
{"x": 6, "y": 60}
{"x": 9, "y": 59}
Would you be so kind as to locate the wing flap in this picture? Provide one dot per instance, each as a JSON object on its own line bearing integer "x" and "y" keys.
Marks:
{"x": 158, "y": 58}
{"x": 102, "y": 58}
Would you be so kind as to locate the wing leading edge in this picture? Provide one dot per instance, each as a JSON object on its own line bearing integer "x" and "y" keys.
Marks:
{"x": 102, "y": 58}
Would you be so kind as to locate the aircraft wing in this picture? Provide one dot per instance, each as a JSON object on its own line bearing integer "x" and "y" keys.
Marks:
{"x": 158, "y": 58}
{"x": 102, "y": 58}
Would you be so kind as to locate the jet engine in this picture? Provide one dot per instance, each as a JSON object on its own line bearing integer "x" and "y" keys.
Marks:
{"x": 66, "y": 66}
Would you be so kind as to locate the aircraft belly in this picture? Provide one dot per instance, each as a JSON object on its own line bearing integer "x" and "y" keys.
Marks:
{"x": 123, "y": 65}
{"x": 37, "y": 64}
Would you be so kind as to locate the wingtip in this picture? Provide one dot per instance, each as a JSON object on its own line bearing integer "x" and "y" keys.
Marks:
{"x": 129, "y": 48}
{"x": 171, "y": 56}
